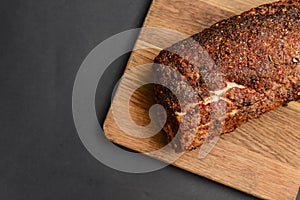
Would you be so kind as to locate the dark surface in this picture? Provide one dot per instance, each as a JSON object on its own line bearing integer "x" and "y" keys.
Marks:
{"x": 41, "y": 157}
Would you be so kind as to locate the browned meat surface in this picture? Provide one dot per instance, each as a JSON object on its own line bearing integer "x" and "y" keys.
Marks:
{"x": 251, "y": 62}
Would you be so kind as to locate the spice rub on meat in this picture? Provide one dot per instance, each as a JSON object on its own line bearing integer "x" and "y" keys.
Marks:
{"x": 254, "y": 60}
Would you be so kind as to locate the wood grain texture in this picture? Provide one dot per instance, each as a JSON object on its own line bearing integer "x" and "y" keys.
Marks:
{"x": 260, "y": 158}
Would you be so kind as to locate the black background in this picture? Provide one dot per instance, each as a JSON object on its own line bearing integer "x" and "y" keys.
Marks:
{"x": 42, "y": 45}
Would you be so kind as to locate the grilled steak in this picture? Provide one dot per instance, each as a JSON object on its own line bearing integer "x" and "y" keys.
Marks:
{"x": 248, "y": 64}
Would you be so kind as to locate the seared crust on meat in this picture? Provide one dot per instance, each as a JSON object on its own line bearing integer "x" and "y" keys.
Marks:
{"x": 253, "y": 58}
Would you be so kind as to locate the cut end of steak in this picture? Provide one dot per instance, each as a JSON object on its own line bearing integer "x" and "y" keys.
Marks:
{"x": 239, "y": 68}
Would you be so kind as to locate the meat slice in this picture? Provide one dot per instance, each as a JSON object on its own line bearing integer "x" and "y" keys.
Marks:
{"x": 240, "y": 68}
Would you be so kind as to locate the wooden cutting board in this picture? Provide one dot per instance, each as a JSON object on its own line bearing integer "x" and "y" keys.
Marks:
{"x": 261, "y": 158}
